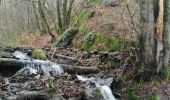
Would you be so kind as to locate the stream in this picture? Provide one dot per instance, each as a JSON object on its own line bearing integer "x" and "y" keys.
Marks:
{"x": 34, "y": 69}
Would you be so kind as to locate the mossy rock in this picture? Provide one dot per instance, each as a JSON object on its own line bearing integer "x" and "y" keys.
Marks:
{"x": 39, "y": 54}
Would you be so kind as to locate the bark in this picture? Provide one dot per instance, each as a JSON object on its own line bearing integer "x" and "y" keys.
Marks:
{"x": 64, "y": 13}
{"x": 147, "y": 43}
{"x": 60, "y": 24}
{"x": 69, "y": 12}
{"x": 15, "y": 64}
{"x": 154, "y": 46}
{"x": 158, "y": 36}
{"x": 166, "y": 35}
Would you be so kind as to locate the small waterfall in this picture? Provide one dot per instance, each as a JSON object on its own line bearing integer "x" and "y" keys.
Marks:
{"x": 35, "y": 65}
{"x": 20, "y": 55}
{"x": 105, "y": 90}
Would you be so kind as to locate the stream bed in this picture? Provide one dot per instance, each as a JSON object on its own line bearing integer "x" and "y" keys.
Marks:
{"x": 46, "y": 80}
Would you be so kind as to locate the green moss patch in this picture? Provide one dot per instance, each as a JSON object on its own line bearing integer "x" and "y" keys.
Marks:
{"x": 39, "y": 54}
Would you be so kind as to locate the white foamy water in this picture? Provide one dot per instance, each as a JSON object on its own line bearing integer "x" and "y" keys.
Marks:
{"x": 36, "y": 65}
{"x": 105, "y": 90}
{"x": 20, "y": 55}
{"x": 81, "y": 78}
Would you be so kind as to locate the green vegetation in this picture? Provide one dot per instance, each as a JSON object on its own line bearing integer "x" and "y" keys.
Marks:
{"x": 106, "y": 34}
{"x": 80, "y": 20}
{"x": 51, "y": 87}
{"x": 103, "y": 42}
{"x": 38, "y": 54}
{"x": 132, "y": 95}
{"x": 154, "y": 97}
{"x": 66, "y": 37}
{"x": 167, "y": 74}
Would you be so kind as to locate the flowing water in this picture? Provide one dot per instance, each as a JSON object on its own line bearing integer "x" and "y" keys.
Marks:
{"x": 104, "y": 89}
{"x": 33, "y": 66}
{"x": 20, "y": 55}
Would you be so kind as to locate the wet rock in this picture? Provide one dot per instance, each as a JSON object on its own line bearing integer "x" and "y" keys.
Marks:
{"x": 27, "y": 71}
{"x": 24, "y": 49}
{"x": 116, "y": 84}
{"x": 96, "y": 95}
{"x": 4, "y": 54}
{"x": 10, "y": 50}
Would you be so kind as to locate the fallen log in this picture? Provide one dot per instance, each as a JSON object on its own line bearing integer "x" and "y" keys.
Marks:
{"x": 9, "y": 64}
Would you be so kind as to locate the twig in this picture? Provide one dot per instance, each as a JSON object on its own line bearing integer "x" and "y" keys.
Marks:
{"x": 53, "y": 53}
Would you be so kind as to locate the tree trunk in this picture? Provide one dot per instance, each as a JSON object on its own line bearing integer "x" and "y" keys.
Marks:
{"x": 166, "y": 35}
{"x": 155, "y": 41}
{"x": 60, "y": 24}
{"x": 147, "y": 43}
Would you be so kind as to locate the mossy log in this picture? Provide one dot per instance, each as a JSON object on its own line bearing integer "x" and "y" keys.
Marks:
{"x": 9, "y": 64}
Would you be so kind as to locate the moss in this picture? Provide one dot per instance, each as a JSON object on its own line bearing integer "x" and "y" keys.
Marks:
{"x": 167, "y": 74}
{"x": 111, "y": 43}
{"x": 89, "y": 40}
{"x": 114, "y": 64}
{"x": 38, "y": 54}
{"x": 102, "y": 42}
{"x": 87, "y": 46}
{"x": 154, "y": 97}
{"x": 132, "y": 95}
{"x": 66, "y": 38}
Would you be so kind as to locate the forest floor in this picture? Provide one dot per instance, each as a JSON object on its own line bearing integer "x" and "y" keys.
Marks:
{"x": 124, "y": 84}
{"x": 125, "y": 61}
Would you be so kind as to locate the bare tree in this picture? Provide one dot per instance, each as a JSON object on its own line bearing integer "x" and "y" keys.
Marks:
{"x": 64, "y": 13}
{"x": 41, "y": 4}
